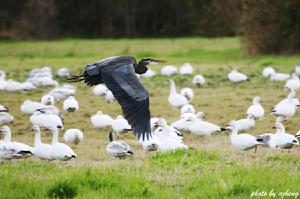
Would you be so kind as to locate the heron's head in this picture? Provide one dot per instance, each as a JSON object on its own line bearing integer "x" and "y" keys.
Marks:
{"x": 141, "y": 67}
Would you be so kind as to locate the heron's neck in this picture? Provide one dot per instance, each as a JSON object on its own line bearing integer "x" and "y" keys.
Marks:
{"x": 55, "y": 136}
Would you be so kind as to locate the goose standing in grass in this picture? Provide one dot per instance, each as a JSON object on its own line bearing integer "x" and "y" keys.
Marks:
{"x": 60, "y": 151}
{"x": 100, "y": 120}
{"x": 100, "y": 90}
{"x": 118, "y": 148}
{"x": 188, "y": 93}
{"x": 6, "y": 118}
{"x": 187, "y": 109}
{"x": 71, "y": 104}
{"x": 280, "y": 77}
{"x": 120, "y": 125}
{"x": 175, "y": 99}
{"x": 243, "y": 124}
{"x": 244, "y": 141}
{"x": 186, "y": 69}
{"x": 3, "y": 108}
{"x": 46, "y": 120}
{"x": 47, "y": 100}
{"x": 19, "y": 150}
{"x": 182, "y": 123}
{"x": 291, "y": 99}
{"x": 293, "y": 83}
{"x": 283, "y": 140}
{"x": 168, "y": 139}
{"x": 169, "y": 70}
{"x": 256, "y": 109}
{"x": 109, "y": 97}
{"x": 41, "y": 150}
{"x": 63, "y": 72}
{"x": 73, "y": 136}
{"x": 235, "y": 76}
{"x": 287, "y": 107}
{"x": 268, "y": 71}
{"x": 199, "y": 127}
{"x": 199, "y": 80}
{"x": 29, "y": 107}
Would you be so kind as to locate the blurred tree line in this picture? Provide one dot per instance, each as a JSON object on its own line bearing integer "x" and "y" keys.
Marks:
{"x": 268, "y": 25}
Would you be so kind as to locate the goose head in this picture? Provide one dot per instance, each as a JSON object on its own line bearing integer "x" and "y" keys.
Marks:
{"x": 161, "y": 122}
{"x": 256, "y": 100}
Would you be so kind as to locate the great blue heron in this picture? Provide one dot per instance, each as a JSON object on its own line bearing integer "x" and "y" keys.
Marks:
{"x": 118, "y": 74}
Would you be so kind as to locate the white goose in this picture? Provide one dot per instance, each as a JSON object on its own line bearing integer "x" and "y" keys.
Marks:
{"x": 243, "y": 124}
{"x": 73, "y": 136}
{"x": 100, "y": 90}
{"x": 182, "y": 123}
{"x": 268, "y": 71}
{"x": 109, "y": 97}
{"x": 175, "y": 99}
{"x": 63, "y": 72}
{"x": 118, "y": 148}
{"x": 47, "y": 100}
{"x": 120, "y": 125}
{"x": 168, "y": 70}
{"x": 293, "y": 83}
{"x": 297, "y": 69}
{"x": 235, "y": 76}
{"x": 244, "y": 141}
{"x": 60, "y": 151}
{"x": 256, "y": 109}
{"x": 199, "y": 80}
{"x": 13, "y": 150}
{"x": 284, "y": 140}
{"x": 41, "y": 150}
{"x": 6, "y": 118}
{"x": 100, "y": 120}
{"x": 187, "y": 109}
{"x": 188, "y": 94}
{"x": 280, "y": 76}
{"x": 199, "y": 127}
{"x": 186, "y": 69}
{"x": 46, "y": 120}
{"x": 287, "y": 107}
{"x": 3, "y": 108}
{"x": 29, "y": 107}
{"x": 168, "y": 137}
{"x": 71, "y": 104}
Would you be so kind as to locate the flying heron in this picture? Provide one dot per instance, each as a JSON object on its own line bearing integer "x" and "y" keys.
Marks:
{"x": 118, "y": 74}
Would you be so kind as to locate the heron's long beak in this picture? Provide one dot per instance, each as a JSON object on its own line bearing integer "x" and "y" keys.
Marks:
{"x": 158, "y": 61}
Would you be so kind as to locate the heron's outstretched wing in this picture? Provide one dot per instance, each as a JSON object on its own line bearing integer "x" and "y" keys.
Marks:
{"x": 131, "y": 95}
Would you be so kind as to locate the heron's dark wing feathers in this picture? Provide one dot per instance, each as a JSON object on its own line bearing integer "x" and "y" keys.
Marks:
{"x": 131, "y": 95}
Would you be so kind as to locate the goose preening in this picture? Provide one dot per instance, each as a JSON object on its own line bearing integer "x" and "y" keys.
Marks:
{"x": 149, "y": 73}
{"x": 109, "y": 96}
{"x": 187, "y": 109}
{"x": 268, "y": 71}
{"x": 118, "y": 148}
{"x": 73, "y": 136}
{"x": 6, "y": 118}
{"x": 197, "y": 126}
{"x": 119, "y": 76}
{"x": 293, "y": 83}
{"x": 235, "y": 76}
{"x": 280, "y": 76}
{"x": 100, "y": 90}
{"x": 60, "y": 151}
{"x": 29, "y": 107}
{"x": 245, "y": 141}
{"x": 186, "y": 69}
{"x": 169, "y": 70}
{"x": 175, "y": 99}
{"x": 120, "y": 125}
{"x": 168, "y": 137}
{"x": 243, "y": 124}
{"x": 63, "y": 72}
{"x": 188, "y": 93}
{"x": 71, "y": 104}
{"x": 3, "y": 108}
{"x": 47, "y": 100}
{"x": 256, "y": 110}
{"x": 41, "y": 150}
{"x": 46, "y": 120}
{"x": 13, "y": 150}
{"x": 282, "y": 139}
{"x": 100, "y": 120}
{"x": 199, "y": 80}
{"x": 287, "y": 107}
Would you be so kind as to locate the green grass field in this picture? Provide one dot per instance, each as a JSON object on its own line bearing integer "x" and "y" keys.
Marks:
{"x": 210, "y": 169}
